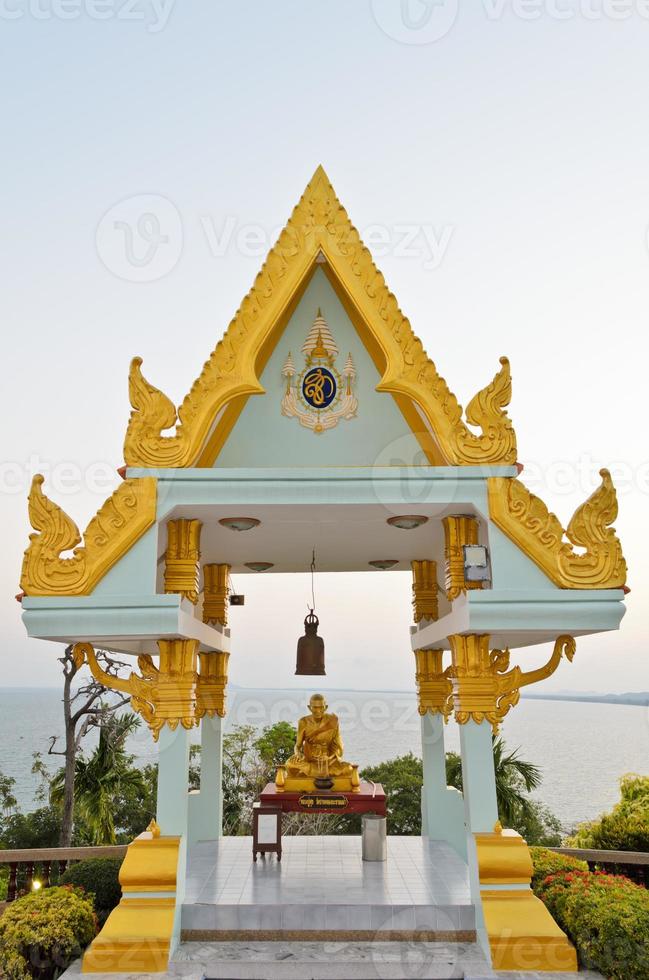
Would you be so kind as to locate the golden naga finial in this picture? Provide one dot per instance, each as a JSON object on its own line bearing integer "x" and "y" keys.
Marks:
{"x": 487, "y": 411}
{"x": 153, "y": 412}
{"x": 119, "y": 522}
{"x": 527, "y": 521}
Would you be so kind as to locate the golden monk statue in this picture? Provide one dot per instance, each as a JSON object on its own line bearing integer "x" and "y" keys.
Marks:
{"x": 318, "y": 758}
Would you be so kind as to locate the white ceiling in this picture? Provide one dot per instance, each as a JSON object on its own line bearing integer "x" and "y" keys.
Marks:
{"x": 345, "y": 536}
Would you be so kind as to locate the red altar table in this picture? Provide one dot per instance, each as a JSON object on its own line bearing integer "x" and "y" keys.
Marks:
{"x": 370, "y": 798}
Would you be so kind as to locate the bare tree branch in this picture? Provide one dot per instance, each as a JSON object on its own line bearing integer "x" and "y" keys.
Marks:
{"x": 83, "y": 710}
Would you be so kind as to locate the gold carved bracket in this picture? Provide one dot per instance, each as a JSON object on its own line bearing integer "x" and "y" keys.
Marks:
{"x": 424, "y": 590}
{"x": 173, "y": 693}
{"x": 164, "y": 695}
{"x": 526, "y": 520}
{"x": 434, "y": 687}
{"x": 319, "y": 227}
{"x": 182, "y": 557}
{"x": 121, "y": 520}
{"x": 212, "y": 684}
{"x": 484, "y": 688}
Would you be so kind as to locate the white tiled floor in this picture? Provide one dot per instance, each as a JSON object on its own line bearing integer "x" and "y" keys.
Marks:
{"x": 423, "y": 884}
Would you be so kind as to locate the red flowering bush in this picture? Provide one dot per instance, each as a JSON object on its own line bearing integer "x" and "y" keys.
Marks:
{"x": 605, "y": 916}
{"x": 548, "y": 862}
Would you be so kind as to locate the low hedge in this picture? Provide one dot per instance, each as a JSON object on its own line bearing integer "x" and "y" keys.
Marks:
{"x": 605, "y": 916}
{"x": 43, "y": 932}
{"x": 99, "y": 877}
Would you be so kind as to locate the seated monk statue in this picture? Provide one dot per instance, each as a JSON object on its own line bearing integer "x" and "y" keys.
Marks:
{"x": 318, "y": 753}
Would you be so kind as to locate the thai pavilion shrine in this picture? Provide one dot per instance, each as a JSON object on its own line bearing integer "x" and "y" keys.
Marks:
{"x": 292, "y": 426}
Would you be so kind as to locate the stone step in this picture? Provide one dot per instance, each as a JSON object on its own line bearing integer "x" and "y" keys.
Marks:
{"x": 299, "y": 960}
{"x": 343, "y": 961}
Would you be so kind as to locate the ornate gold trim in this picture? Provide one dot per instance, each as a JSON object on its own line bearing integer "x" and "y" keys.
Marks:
{"x": 458, "y": 530}
{"x": 319, "y": 227}
{"x": 212, "y": 684}
{"x": 526, "y": 520}
{"x": 424, "y": 590}
{"x": 117, "y": 525}
{"x": 182, "y": 557}
{"x": 434, "y": 688}
{"x": 484, "y": 689}
{"x": 215, "y": 594}
{"x": 164, "y": 695}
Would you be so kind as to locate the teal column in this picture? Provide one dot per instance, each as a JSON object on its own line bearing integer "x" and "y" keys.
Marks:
{"x": 478, "y": 777}
{"x": 442, "y": 810}
{"x": 172, "y": 809}
{"x": 206, "y": 806}
{"x": 173, "y": 781}
{"x": 480, "y": 807}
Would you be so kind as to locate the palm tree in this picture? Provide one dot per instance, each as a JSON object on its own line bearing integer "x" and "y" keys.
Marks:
{"x": 101, "y": 777}
{"x": 514, "y": 779}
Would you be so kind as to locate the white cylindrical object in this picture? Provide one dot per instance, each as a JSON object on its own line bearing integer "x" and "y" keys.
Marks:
{"x": 375, "y": 842}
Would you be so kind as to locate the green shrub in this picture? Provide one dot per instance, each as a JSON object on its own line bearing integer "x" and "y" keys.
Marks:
{"x": 606, "y": 917}
{"x": 41, "y": 933}
{"x": 99, "y": 877}
{"x": 549, "y": 863}
{"x": 626, "y": 827}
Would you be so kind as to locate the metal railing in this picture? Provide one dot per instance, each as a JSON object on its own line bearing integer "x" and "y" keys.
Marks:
{"x": 47, "y": 864}
{"x": 633, "y": 864}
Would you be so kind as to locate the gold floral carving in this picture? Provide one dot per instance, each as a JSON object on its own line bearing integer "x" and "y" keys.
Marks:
{"x": 212, "y": 683}
{"x": 182, "y": 557}
{"x": 526, "y": 520}
{"x": 424, "y": 590}
{"x": 118, "y": 524}
{"x": 434, "y": 687}
{"x": 215, "y": 594}
{"x": 162, "y": 695}
{"x": 319, "y": 228}
{"x": 458, "y": 531}
{"x": 484, "y": 688}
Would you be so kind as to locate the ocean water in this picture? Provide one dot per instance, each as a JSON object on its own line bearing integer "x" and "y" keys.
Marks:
{"x": 581, "y": 748}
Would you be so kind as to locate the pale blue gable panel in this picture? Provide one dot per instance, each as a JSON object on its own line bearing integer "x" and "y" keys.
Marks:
{"x": 262, "y": 436}
{"x": 135, "y": 572}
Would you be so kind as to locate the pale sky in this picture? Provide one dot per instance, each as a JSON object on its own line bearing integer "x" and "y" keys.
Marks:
{"x": 494, "y": 155}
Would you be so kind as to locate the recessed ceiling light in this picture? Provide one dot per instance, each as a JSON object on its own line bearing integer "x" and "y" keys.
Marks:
{"x": 407, "y": 522}
{"x": 383, "y": 563}
{"x": 239, "y": 523}
{"x": 259, "y": 566}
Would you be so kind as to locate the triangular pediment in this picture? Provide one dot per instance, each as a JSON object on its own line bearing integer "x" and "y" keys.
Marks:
{"x": 318, "y": 235}
{"x": 320, "y": 405}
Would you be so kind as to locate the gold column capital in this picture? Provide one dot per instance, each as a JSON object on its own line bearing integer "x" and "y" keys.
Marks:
{"x": 459, "y": 529}
{"x": 182, "y": 557}
{"x": 484, "y": 688}
{"x": 424, "y": 590}
{"x": 212, "y": 683}
{"x": 215, "y": 594}
{"x": 434, "y": 688}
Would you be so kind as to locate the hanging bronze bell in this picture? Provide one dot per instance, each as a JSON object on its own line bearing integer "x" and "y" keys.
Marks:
{"x": 310, "y": 648}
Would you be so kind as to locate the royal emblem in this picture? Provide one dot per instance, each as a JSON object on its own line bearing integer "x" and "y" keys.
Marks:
{"x": 319, "y": 397}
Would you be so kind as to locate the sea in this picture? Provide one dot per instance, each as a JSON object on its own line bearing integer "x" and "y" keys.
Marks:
{"x": 582, "y": 748}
